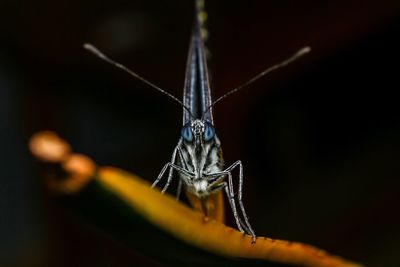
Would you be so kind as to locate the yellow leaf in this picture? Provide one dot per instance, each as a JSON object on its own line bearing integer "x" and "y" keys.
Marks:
{"x": 170, "y": 216}
{"x": 195, "y": 229}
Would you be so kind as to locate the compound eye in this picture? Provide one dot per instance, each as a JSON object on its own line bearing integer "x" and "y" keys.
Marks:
{"x": 186, "y": 133}
{"x": 209, "y": 132}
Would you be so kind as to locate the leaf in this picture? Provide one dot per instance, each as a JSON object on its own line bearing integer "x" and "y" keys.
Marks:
{"x": 127, "y": 207}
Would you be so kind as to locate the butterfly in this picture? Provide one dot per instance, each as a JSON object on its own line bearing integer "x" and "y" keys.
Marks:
{"x": 197, "y": 157}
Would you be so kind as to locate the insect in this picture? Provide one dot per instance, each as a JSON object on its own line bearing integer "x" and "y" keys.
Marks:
{"x": 197, "y": 158}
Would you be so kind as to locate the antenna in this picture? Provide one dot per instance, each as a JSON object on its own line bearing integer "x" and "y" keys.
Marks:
{"x": 94, "y": 50}
{"x": 284, "y": 63}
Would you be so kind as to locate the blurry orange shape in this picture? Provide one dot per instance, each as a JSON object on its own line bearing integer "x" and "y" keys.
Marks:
{"x": 80, "y": 170}
{"x": 48, "y": 147}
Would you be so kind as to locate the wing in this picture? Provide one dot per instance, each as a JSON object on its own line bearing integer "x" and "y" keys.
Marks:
{"x": 197, "y": 91}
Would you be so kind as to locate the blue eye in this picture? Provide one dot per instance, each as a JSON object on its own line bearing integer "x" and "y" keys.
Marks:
{"x": 187, "y": 133}
{"x": 209, "y": 132}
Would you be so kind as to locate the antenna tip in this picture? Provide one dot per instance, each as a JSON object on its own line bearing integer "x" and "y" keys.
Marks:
{"x": 89, "y": 47}
{"x": 305, "y": 50}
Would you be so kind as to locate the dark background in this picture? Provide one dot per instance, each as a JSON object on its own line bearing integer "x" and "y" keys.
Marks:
{"x": 319, "y": 139}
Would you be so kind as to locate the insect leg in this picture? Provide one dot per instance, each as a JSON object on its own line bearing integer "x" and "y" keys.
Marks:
{"x": 182, "y": 170}
{"x": 240, "y": 191}
{"x": 160, "y": 175}
{"x": 237, "y": 217}
{"x": 183, "y": 179}
{"x": 215, "y": 185}
{"x": 218, "y": 187}
{"x": 231, "y": 197}
{"x": 171, "y": 170}
{"x": 178, "y": 169}
{"x": 173, "y": 159}
{"x": 214, "y": 178}
{"x": 180, "y": 184}
{"x": 179, "y": 190}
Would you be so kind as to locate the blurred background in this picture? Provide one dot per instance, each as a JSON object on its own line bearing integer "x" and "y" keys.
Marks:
{"x": 319, "y": 140}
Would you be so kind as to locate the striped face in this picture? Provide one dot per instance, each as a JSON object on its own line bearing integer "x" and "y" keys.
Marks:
{"x": 200, "y": 155}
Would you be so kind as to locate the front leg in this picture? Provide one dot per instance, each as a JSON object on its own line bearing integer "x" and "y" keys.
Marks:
{"x": 215, "y": 184}
{"x": 180, "y": 184}
{"x": 178, "y": 169}
{"x": 231, "y": 199}
{"x": 215, "y": 178}
{"x": 240, "y": 200}
{"x": 161, "y": 174}
{"x": 178, "y": 190}
{"x": 171, "y": 170}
